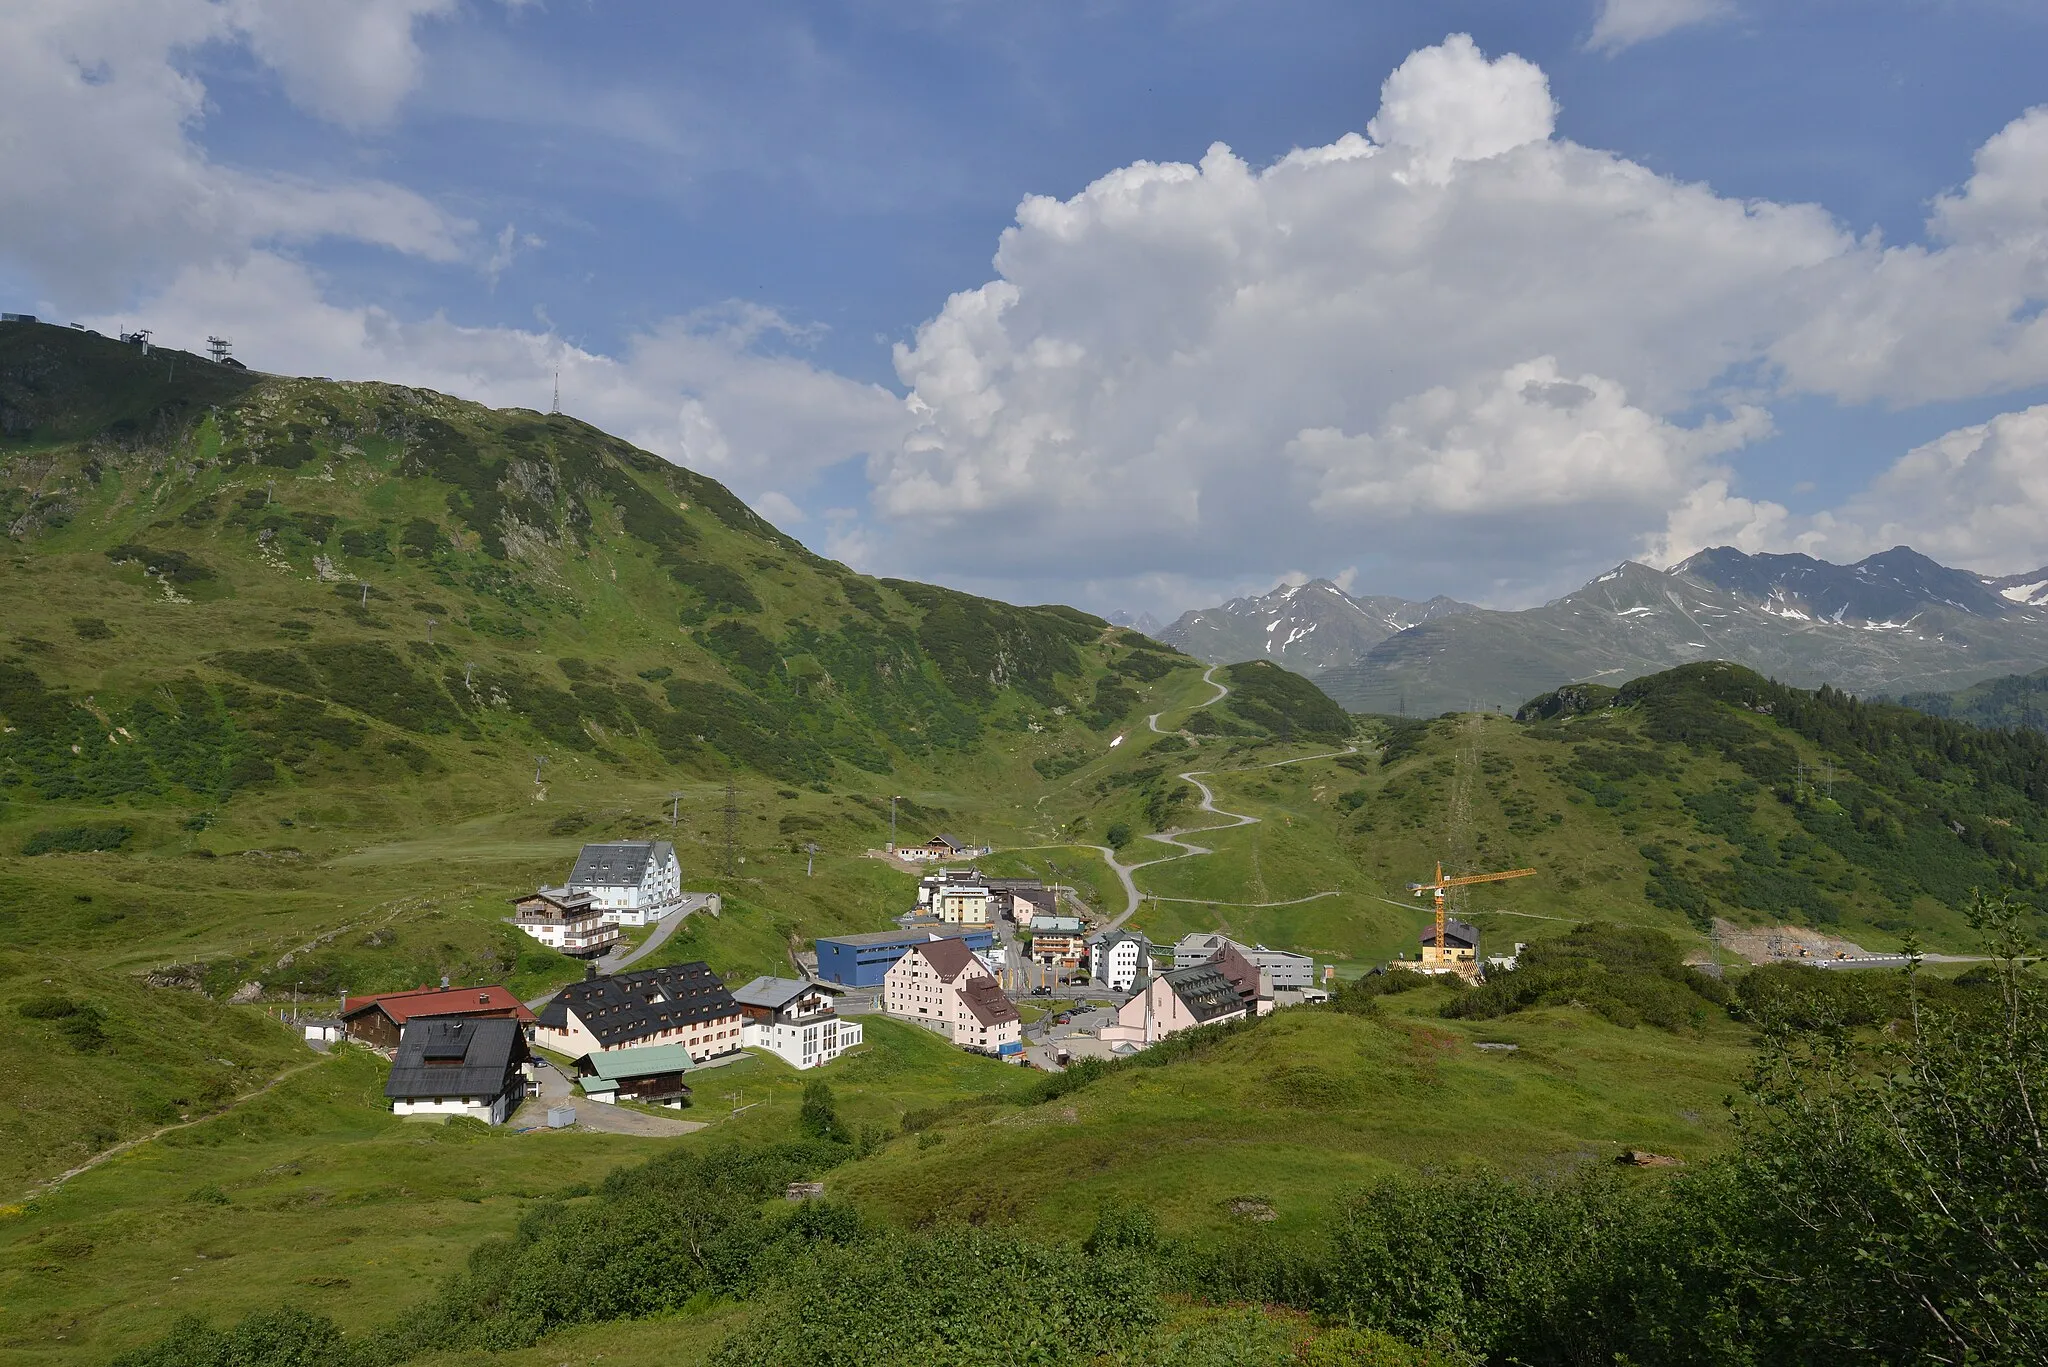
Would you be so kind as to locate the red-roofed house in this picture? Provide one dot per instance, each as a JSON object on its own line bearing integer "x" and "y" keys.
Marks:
{"x": 379, "y": 1020}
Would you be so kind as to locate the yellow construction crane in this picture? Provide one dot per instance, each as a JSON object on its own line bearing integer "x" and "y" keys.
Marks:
{"x": 1443, "y": 884}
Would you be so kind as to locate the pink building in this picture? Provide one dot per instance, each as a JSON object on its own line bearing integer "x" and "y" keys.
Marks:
{"x": 947, "y": 988}
{"x": 1176, "y": 1000}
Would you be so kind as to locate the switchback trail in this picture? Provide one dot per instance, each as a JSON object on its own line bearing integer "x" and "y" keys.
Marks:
{"x": 1188, "y": 849}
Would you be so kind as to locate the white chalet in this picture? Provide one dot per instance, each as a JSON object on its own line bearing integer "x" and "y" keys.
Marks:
{"x": 571, "y": 922}
{"x": 793, "y": 1020}
{"x": 634, "y": 882}
{"x": 1119, "y": 958}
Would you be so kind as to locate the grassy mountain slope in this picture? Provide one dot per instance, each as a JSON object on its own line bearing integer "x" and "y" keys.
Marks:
{"x": 314, "y": 1195}
{"x": 2010, "y": 700}
{"x": 263, "y": 819}
{"x": 281, "y": 658}
{"x": 1702, "y": 796}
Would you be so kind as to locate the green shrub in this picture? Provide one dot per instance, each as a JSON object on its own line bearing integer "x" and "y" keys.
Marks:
{"x": 1630, "y": 975}
{"x": 265, "y": 1338}
{"x": 78, "y": 839}
{"x": 174, "y": 566}
{"x": 1284, "y": 703}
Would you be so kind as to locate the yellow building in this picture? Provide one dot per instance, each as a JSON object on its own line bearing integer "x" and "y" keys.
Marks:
{"x": 1459, "y": 953}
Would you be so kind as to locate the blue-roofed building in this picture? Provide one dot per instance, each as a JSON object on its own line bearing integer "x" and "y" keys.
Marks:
{"x": 865, "y": 959}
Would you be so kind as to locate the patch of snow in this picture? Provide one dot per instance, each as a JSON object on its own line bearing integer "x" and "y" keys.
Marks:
{"x": 2023, "y": 593}
{"x": 1634, "y": 612}
{"x": 1611, "y": 574}
{"x": 1273, "y": 625}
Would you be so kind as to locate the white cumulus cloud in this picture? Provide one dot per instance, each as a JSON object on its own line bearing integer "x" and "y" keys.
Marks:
{"x": 102, "y": 184}
{"x": 1458, "y": 348}
{"x": 1976, "y": 497}
{"x": 1522, "y": 441}
{"x": 1624, "y": 23}
{"x": 1448, "y": 104}
{"x": 350, "y": 62}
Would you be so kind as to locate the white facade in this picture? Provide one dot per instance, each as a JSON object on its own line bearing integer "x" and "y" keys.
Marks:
{"x": 634, "y": 883}
{"x": 704, "y": 1039}
{"x": 566, "y": 921}
{"x": 573, "y": 1037}
{"x": 492, "y": 1110}
{"x": 802, "y": 1044}
{"x": 1116, "y": 960}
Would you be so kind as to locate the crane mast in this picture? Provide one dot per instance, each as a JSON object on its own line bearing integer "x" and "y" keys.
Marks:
{"x": 1442, "y": 885}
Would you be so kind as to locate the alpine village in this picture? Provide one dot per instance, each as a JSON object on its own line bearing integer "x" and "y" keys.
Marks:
{"x": 475, "y": 892}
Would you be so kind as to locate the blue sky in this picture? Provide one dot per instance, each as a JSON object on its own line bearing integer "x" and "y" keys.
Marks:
{"x": 735, "y": 230}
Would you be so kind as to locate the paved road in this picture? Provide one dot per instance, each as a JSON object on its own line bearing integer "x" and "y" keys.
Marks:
{"x": 622, "y": 957}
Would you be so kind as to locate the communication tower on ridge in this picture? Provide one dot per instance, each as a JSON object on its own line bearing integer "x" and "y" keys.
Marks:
{"x": 219, "y": 348}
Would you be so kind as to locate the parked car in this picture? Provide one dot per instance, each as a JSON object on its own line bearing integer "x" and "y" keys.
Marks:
{"x": 1041, "y": 991}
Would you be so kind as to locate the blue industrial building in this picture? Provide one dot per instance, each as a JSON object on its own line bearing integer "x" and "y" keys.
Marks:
{"x": 864, "y": 960}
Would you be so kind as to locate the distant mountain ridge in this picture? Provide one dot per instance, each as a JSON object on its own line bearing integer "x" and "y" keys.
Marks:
{"x": 1895, "y": 622}
{"x": 1307, "y": 627}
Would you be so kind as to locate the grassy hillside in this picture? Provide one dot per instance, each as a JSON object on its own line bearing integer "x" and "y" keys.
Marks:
{"x": 225, "y": 770}
{"x": 2010, "y": 700}
{"x": 300, "y": 681}
{"x": 314, "y": 1195}
{"x": 1699, "y": 801}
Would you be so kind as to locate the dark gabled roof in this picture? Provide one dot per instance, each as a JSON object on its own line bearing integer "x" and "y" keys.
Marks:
{"x": 948, "y": 841}
{"x": 1204, "y": 991}
{"x": 986, "y": 1000}
{"x": 618, "y": 863}
{"x": 1455, "y": 931}
{"x": 948, "y": 956}
{"x": 620, "y": 1008}
{"x": 445, "y": 1056}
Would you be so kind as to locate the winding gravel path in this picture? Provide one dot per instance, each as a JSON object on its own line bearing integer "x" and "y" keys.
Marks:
{"x": 1187, "y": 848}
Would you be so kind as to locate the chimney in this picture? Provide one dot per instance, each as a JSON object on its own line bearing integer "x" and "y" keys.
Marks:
{"x": 590, "y": 972}
{"x": 444, "y": 982}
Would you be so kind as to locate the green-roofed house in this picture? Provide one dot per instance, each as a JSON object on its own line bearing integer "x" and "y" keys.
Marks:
{"x": 652, "y": 1073}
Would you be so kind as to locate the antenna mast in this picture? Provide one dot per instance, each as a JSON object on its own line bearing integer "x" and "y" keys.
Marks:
{"x": 219, "y": 348}
{"x": 557, "y": 408}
